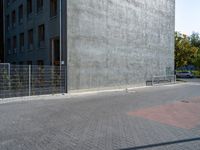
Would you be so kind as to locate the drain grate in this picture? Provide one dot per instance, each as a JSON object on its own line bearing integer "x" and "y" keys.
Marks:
{"x": 184, "y": 101}
{"x": 130, "y": 91}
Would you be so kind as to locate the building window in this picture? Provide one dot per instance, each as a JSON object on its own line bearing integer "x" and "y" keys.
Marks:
{"x": 41, "y": 35}
{"x": 8, "y": 22}
{"x": 21, "y": 63}
{"x": 39, "y": 5}
{"x": 30, "y": 39}
{"x": 29, "y": 62}
{"x": 14, "y": 45}
{"x": 53, "y": 8}
{"x": 21, "y": 12}
{"x": 21, "y": 42}
{"x": 8, "y": 2}
{"x": 55, "y": 48}
{"x": 14, "y": 18}
{"x": 9, "y": 46}
{"x": 29, "y": 7}
{"x": 40, "y": 63}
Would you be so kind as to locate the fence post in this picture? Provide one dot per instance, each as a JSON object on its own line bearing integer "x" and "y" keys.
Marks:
{"x": 65, "y": 77}
{"x": 60, "y": 78}
{"x": 29, "y": 83}
{"x": 9, "y": 78}
{"x": 175, "y": 79}
{"x": 9, "y": 71}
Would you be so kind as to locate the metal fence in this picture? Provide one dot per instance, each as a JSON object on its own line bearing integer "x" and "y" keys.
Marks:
{"x": 26, "y": 80}
{"x": 169, "y": 79}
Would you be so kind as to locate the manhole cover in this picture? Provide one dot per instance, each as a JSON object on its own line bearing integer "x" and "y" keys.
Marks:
{"x": 184, "y": 101}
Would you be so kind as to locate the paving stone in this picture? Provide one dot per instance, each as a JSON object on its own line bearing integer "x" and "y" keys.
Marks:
{"x": 97, "y": 122}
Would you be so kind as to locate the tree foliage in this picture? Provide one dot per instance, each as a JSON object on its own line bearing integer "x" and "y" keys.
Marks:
{"x": 196, "y": 61}
{"x": 195, "y": 39}
{"x": 185, "y": 51}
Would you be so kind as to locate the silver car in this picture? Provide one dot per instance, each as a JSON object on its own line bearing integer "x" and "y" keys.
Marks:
{"x": 184, "y": 74}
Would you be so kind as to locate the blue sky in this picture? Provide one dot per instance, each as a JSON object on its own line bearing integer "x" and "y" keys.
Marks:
{"x": 188, "y": 16}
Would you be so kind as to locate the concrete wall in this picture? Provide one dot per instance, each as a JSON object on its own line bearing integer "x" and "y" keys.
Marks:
{"x": 119, "y": 42}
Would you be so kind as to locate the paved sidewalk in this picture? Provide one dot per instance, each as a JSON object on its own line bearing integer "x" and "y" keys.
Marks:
{"x": 150, "y": 118}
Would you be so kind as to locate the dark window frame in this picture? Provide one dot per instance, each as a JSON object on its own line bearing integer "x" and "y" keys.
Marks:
{"x": 14, "y": 44}
{"x": 41, "y": 35}
{"x": 29, "y": 7}
{"x": 53, "y": 8}
{"x": 21, "y": 13}
{"x": 21, "y": 41}
{"x": 30, "y": 39}
{"x": 14, "y": 18}
{"x": 8, "y": 46}
{"x": 8, "y": 22}
{"x": 40, "y": 5}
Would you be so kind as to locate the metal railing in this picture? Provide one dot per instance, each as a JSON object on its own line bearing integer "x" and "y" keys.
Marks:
{"x": 168, "y": 79}
{"x": 27, "y": 80}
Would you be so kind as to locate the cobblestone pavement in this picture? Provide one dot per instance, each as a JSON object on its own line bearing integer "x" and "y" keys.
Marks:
{"x": 102, "y": 122}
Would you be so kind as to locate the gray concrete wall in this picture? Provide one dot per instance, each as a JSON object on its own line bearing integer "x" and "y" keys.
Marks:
{"x": 119, "y": 42}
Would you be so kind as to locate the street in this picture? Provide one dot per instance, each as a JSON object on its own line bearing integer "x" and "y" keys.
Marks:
{"x": 155, "y": 118}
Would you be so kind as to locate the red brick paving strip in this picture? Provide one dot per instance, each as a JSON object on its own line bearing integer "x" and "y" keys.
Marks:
{"x": 179, "y": 114}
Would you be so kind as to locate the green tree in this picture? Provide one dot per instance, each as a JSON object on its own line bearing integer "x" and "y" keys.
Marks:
{"x": 196, "y": 61}
{"x": 185, "y": 53}
{"x": 195, "y": 39}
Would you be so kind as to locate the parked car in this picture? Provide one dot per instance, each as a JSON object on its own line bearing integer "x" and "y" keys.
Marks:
{"x": 184, "y": 74}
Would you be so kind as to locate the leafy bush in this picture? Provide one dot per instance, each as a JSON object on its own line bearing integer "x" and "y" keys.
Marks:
{"x": 196, "y": 73}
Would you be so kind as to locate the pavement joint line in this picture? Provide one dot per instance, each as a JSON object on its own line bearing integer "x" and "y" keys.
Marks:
{"x": 79, "y": 94}
{"x": 163, "y": 144}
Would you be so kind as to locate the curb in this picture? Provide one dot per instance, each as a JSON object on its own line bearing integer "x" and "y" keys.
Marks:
{"x": 79, "y": 94}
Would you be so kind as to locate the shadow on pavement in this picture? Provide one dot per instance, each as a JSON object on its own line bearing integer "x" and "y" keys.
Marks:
{"x": 163, "y": 144}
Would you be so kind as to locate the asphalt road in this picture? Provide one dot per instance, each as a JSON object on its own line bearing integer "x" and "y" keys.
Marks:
{"x": 157, "y": 118}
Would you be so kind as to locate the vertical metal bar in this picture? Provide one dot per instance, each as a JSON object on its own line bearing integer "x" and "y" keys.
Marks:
{"x": 9, "y": 79}
{"x": 9, "y": 71}
{"x": 65, "y": 78}
{"x": 52, "y": 51}
{"x": 65, "y": 31}
{"x": 29, "y": 80}
{"x": 4, "y": 32}
{"x": 52, "y": 79}
{"x": 60, "y": 33}
{"x": 60, "y": 79}
{"x": 175, "y": 79}
{"x": 60, "y": 45}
